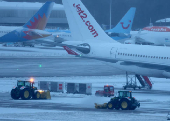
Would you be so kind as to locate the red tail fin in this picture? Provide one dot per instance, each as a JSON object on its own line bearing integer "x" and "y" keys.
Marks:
{"x": 69, "y": 51}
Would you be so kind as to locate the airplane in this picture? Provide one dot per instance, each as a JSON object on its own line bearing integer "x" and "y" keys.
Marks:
{"x": 31, "y": 30}
{"x": 157, "y": 28}
{"x": 123, "y": 28}
{"x": 151, "y": 35}
{"x": 150, "y": 38}
{"x": 152, "y": 61}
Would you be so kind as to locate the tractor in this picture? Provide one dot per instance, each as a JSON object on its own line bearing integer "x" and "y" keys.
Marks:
{"x": 124, "y": 100}
{"x": 26, "y": 90}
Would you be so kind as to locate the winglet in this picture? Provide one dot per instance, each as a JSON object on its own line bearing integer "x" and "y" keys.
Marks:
{"x": 39, "y": 20}
{"x": 69, "y": 51}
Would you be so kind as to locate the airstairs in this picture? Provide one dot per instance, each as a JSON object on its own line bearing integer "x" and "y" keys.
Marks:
{"x": 131, "y": 82}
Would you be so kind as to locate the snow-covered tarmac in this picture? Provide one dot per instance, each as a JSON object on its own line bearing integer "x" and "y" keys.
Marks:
{"x": 66, "y": 107}
{"x": 155, "y": 103}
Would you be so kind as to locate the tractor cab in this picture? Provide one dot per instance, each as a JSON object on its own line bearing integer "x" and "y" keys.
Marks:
{"x": 123, "y": 94}
{"x": 23, "y": 83}
{"x": 28, "y": 84}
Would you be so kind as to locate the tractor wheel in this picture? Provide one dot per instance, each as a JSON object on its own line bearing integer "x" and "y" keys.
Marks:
{"x": 110, "y": 106}
{"x": 37, "y": 95}
{"x": 25, "y": 94}
{"x": 15, "y": 94}
{"x": 124, "y": 104}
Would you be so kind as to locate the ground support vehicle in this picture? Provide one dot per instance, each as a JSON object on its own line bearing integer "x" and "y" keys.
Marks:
{"x": 25, "y": 90}
{"x": 124, "y": 100}
{"x": 107, "y": 92}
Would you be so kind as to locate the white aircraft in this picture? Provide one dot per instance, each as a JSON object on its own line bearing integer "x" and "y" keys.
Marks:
{"x": 150, "y": 38}
{"x": 152, "y": 61}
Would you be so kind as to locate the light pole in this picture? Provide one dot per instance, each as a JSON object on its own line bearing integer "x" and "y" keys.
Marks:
{"x": 110, "y": 13}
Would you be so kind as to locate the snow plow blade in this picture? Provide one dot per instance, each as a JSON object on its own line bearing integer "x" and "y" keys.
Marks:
{"x": 101, "y": 106}
{"x": 45, "y": 94}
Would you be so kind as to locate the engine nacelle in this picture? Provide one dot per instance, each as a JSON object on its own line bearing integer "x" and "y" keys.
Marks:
{"x": 84, "y": 48}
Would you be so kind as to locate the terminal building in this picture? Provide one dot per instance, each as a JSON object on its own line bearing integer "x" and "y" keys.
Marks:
{"x": 18, "y": 13}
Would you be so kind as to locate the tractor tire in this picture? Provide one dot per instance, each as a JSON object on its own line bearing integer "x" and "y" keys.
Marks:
{"x": 110, "y": 106}
{"x": 124, "y": 104}
{"x": 37, "y": 95}
{"x": 25, "y": 94}
{"x": 15, "y": 94}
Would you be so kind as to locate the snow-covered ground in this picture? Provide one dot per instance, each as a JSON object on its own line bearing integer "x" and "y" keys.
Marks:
{"x": 153, "y": 106}
{"x": 38, "y": 51}
{"x": 154, "y": 103}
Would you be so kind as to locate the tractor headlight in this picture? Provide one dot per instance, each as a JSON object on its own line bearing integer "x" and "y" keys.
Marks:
{"x": 40, "y": 91}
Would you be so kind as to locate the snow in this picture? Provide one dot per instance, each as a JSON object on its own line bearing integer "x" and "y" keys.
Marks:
{"x": 149, "y": 102}
{"x": 44, "y": 115}
{"x": 154, "y": 103}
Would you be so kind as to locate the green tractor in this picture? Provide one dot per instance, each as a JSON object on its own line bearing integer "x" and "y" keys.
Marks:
{"x": 125, "y": 101}
{"x": 25, "y": 90}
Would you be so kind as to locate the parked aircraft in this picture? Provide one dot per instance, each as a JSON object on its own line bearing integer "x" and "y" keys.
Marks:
{"x": 123, "y": 28}
{"x": 153, "y": 61}
{"x": 33, "y": 29}
{"x": 150, "y": 38}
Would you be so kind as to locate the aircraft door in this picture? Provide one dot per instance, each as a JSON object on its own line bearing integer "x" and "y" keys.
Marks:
{"x": 113, "y": 52}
